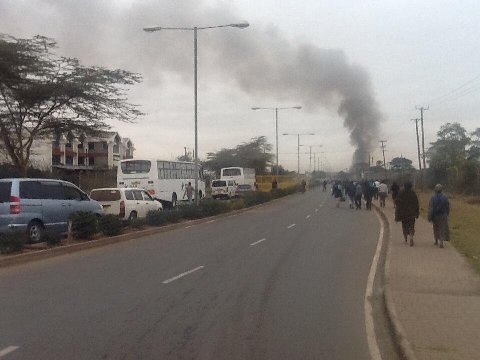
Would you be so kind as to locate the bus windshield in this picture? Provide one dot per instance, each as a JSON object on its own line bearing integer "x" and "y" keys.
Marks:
{"x": 135, "y": 166}
{"x": 232, "y": 172}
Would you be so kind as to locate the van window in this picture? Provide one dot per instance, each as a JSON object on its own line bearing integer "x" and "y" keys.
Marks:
{"x": 137, "y": 194}
{"x": 5, "y": 189}
{"x": 230, "y": 183}
{"x": 219, "y": 183}
{"x": 51, "y": 190}
{"x": 71, "y": 193}
{"x": 31, "y": 190}
{"x": 129, "y": 195}
{"x": 146, "y": 196}
{"x": 106, "y": 195}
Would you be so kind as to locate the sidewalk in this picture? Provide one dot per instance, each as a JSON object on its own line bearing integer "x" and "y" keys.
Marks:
{"x": 435, "y": 295}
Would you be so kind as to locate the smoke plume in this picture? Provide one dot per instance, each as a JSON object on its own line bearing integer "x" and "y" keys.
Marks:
{"x": 261, "y": 61}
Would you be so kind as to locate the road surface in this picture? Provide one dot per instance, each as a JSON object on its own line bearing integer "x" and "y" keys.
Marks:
{"x": 284, "y": 281}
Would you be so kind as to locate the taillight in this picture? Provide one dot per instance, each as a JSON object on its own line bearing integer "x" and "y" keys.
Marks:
{"x": 14, "y": 205}
{"x": 122, "y": 209}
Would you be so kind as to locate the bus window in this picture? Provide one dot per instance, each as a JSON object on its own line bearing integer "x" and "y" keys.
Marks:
{"x": 135, "y": 166}
{"x": 232, "y": 172}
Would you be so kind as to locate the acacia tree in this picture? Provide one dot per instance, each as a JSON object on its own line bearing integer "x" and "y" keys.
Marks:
{"x": 42, "y": 94}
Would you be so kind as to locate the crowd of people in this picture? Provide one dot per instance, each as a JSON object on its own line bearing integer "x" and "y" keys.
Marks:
{"x": 405, "y": 202}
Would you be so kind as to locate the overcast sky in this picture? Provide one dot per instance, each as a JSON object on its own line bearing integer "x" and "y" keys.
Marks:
{"x": 358, "y": 68}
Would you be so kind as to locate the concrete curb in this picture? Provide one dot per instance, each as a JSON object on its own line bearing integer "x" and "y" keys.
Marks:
{"x": 89, "y": 244}
{"x": 399, "y": 337}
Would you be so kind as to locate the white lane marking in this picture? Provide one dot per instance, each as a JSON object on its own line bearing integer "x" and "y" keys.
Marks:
{"x": 210, "y": 221}
{"x": 189, "y": 226}
{"x": 8, "y": 350}
{"x": 308, "y": 217}
{"x": 321, "y": 205}
{"x": 290, "y": 226}
{"x": 182, "y": 275}
{"x": 257, "y": 242}
{"x": 368, "y": 300}
{"x": 316, "y": 210}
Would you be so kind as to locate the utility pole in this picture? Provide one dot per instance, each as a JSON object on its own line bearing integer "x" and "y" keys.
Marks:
{"x": 422, "y": 109}
{"x": 383, "y": 152}
{"x": 418, "y": 144}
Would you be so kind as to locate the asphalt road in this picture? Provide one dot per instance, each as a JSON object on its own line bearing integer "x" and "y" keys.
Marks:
{"x": 285, "y": 281}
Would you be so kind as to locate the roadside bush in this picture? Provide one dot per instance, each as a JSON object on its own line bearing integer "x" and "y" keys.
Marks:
{"x": 84, "y": 225}
{"x": 11, "y": 242}
{"x": 138, "y": 223}
{"x": 173, "y": 216}
{"x": 52, "y": 238}
{"x": 156, "y": 218}
{"x": 191, "y": 212}
{"x": 277, "y": 193}
{"x": 256, "y": 198}
{"x": 210, "y": 207}
{"x": 110, "y": 225}
{"x": 237, "y": 204}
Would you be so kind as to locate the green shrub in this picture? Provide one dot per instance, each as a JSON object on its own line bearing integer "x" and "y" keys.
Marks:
{"x": 84, "y": 224}
{"x": 237, "y": 204}
{"x": 52, "y": 238}
{"x": 138, "y": 223}
{"x": 256, "y": 198}
{"x": 191, "y": 212}
{"x": 211, "y": 207}
{"x": 11, "y": 242}
{"x": 277, "y": 193}
{"x": 156, "y": 218}
{"x": 110, "y": 225}
{"x": 173, "y": 215}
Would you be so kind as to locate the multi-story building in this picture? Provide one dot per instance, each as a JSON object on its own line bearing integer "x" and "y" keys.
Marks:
{"x": 68, "y": 151}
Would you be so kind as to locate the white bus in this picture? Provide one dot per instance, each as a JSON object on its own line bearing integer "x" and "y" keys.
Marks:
{"x": 241, "y": 176}
{"x": 164, "y": 180}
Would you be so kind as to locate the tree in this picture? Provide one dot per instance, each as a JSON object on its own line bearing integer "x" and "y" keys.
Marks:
{"x": 450, "y": 147}
{"x": 42, "y": 94}
{"x": 254, "y": 154}
{"x": 474, "y": 150}
{"x": 401, "y": 164}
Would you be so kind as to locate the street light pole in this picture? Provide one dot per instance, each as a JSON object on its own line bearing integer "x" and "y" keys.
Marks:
{"x": 276, "y": 127}
{"x": 298, "y": 148}
{"x": 195, "y": 81}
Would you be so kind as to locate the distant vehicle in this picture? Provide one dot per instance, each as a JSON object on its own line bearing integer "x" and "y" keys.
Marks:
{"x": 241, "y": 176}
{"x": 164, "y": 180}
{"x": 243, "y": 190}
{"x": 223, "y": 189}
{"x": 36, "y": 205}
{"x": 129, "y": 204}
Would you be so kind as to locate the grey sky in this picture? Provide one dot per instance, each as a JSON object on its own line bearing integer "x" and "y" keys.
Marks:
{"x": 413, "y": 52}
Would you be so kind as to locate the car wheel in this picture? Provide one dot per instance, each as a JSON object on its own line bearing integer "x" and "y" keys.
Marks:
{"x": 133, "y": 216}
{"x": 35, "y": 231}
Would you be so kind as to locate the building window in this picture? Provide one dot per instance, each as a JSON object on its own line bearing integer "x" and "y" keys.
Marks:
{"x": 91, "y": 160}
{"x": 105, "y": 145}
{"x": 80, "y": 145}
{"x": 81, "y": 160}
{"x": 69, "y": 141}
{"x": 69, "y": 160}
{"x": 91, "y": 146}
{"x": 56, "y": 159}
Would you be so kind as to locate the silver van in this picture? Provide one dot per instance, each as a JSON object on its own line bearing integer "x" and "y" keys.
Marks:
{"x": 36, "y": 205}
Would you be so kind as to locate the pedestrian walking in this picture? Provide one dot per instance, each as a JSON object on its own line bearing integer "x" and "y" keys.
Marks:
{"x": 358, "y": 196}
{"x": 394, "y": 189}
{"x": 324, "y": 185}
{"x": 350, "y": 192}
{"x": 368, "y": 194}
{"x": 188, "y": 192}
{"x": 382, "y": 193}
{"x": 337, "y": 194}
{"x": 407, "y": 210}
{"x": 274, "y": 183}
{"x": 438, "y": 212}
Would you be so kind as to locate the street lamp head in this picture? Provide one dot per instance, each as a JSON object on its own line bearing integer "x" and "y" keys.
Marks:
{"x": 152, "y": 29}
{"x": 297, "y": 107}
{"x": 287, "y": 134}
{"x": 241, "y": 25}
{"x": 255, "y": 108}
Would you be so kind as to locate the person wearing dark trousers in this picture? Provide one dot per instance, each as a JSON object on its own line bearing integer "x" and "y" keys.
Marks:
{"x": 358, "y": 196}
{"x": 407, "y": 210}
{"x": 394, "y": 189}
{"x": 438, "y": 212}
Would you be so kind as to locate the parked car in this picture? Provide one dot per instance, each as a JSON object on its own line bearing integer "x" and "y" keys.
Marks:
{"x": 36, "y": 205}
{"x": 127, "y": 203}
{"x": 243, "y": 190}
{"x": 223, "y": 189}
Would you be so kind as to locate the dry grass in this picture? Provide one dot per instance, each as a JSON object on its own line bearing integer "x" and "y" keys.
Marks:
{"x": 464, "y": 224}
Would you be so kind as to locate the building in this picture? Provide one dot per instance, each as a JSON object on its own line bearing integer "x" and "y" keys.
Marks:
{"x": 71, "y": 152}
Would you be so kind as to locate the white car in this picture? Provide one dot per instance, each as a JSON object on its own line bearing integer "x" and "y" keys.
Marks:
{"x": 127, "y": 203}
{"x": 223, "y": 189}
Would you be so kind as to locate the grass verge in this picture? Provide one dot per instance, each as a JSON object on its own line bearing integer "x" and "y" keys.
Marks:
{"x": 464, "y": 225}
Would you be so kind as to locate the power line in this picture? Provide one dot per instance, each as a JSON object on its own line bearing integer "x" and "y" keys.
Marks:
{"x": 452, "y": 92}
